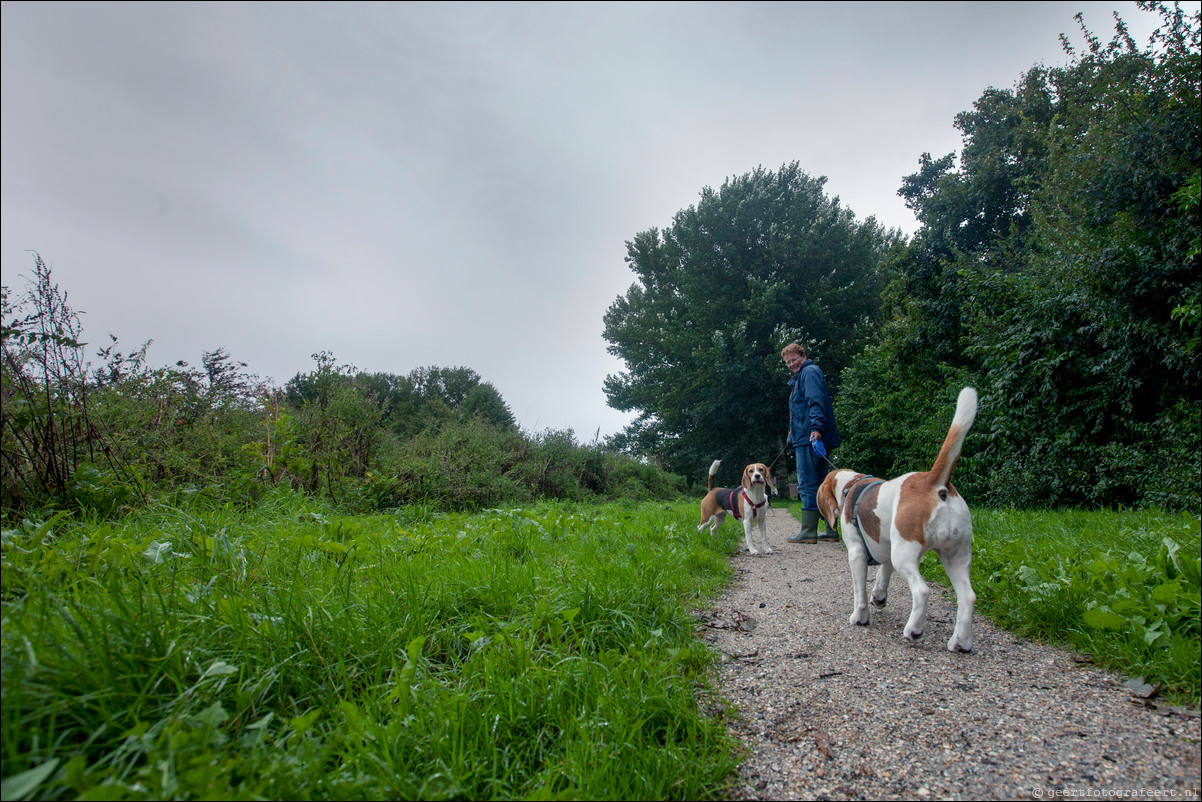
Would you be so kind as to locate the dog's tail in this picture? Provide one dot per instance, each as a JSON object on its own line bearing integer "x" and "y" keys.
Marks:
{"x": 713, "y": 470}
{"x": 966, "y": 413}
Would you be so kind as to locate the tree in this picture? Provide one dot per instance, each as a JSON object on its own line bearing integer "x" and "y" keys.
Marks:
{"x": 461, "y": 389}
{"x": 1092, "y": 363}
{"x": 337, "y": 425}
{"x": 1055, "y": 268}
{"x": 765, "y": 260}
{"x": 408, "y": 404}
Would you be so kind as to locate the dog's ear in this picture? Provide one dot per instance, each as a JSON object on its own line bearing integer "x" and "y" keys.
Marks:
{"x": 768, "y": 478}
{"x": 826, "y": 502}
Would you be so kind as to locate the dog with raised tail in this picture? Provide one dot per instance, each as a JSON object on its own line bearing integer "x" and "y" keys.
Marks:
{"x": 893, "y": 523}
{"x": 747, "y": 503}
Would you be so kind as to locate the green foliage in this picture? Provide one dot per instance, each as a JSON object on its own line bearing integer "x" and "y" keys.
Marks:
{"x": 99, "y": 441}
{"x": 337, "y": 425}
{"x": 462, "y": 464}
{"x": 1188, "y": 312}
{"x": 48, "y": 428}
{"x": 467, "y": 463}
{"x": 1122, "y": 587}
{"x": 407, "y": 404}
{"x": 289, "y": 653}
{"x": 1056, "y": 271}
{"x": 765, "y": 260}
{"x": 200, "y": 429}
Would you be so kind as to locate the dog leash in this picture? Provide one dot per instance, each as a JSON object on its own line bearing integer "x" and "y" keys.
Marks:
{"x": 778, "y": 456}
{"x": 820, "y": 452}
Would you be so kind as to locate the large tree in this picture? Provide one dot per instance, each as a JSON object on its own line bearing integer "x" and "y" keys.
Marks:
{"x": 766, "y": 259}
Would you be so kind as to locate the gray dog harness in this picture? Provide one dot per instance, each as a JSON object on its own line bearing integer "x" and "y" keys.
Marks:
{"x": 852, "y": 495}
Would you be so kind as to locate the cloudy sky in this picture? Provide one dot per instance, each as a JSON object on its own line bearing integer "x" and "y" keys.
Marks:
{"x": 413, "y": 184}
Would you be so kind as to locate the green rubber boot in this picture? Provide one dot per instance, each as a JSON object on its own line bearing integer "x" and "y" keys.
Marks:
{"x": 827, "y": 533}
{"x": 809, "y": 528}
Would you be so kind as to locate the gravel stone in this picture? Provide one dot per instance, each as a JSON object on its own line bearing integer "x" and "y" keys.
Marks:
{"x": 829, "y": 710}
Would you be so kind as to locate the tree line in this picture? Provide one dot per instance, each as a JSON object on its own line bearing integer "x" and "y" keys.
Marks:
{"x": 101, "y": 437}
{"x": 1056, "y": 268}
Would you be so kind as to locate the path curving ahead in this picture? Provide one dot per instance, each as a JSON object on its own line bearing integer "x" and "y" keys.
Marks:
{"x": 829, "y": 710}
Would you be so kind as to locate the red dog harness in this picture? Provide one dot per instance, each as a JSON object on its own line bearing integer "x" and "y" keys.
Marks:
{"x": 726, "y": 500}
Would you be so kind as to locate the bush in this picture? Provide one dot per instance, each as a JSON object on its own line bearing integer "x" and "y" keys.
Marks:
{"x": 468, "y": 463}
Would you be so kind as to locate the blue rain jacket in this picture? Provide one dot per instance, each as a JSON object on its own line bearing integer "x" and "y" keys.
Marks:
{"x": 810, "y": 407}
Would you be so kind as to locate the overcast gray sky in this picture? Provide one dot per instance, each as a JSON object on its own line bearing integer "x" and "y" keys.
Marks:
{"x": 411, "y": 184}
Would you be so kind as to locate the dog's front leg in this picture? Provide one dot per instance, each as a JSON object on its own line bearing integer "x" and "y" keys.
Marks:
{"x": 956, "y": 565}
{"x": 905, "y": 561}
{"x": 763, "y": 527}
{"x": 747, "y": 537}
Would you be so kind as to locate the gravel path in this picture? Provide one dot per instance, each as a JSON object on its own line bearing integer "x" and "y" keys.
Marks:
{"x": 828, "y": 710}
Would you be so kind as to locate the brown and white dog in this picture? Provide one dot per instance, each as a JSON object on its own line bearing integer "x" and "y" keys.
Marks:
{"x": 747, "y": 502}
{"x": 897, "y": 521}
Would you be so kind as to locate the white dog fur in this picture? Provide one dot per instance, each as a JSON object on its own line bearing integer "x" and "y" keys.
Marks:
{"x": 899, "y": 521}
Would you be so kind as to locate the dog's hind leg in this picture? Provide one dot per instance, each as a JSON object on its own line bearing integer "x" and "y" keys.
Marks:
{"x": 880, "y": 588}
{"x": 857, "y": 561}
{"x": 905, "y": 556}
{"x": 956, "y": 565}
{"x": 713, "y": 522}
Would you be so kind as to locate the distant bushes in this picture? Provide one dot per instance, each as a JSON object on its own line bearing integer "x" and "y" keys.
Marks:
{"x": 102, "y": 438}
{"x": 468, "y": 463}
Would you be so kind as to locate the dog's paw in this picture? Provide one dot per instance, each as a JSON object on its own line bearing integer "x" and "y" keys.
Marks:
{"x": 913, "y": 636}
{"x": 767, "y": 550}
{"x": 753, "y": 551}
{"x": 859, "y": 619}
{"x": 881, "y": 602}
{"x": 959, "y": 644}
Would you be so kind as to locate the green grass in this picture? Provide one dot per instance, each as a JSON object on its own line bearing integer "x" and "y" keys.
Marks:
{"x": 289, "y": 653}
{"x": 1120, "y": 586}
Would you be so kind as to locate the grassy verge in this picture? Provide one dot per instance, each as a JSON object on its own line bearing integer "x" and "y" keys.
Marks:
{"x": 291, "y": 654}
{"x": 1120, "y": 586}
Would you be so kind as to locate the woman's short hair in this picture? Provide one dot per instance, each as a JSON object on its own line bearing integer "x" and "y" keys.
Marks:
{"x": 792, "y": 348}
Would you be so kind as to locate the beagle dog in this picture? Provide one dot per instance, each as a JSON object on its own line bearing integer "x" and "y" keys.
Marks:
{"x": 893, "y": 523}
{"x": 748, "y": 502}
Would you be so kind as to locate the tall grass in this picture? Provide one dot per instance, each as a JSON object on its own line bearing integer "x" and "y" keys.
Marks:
{"x": 291, "y": 653}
